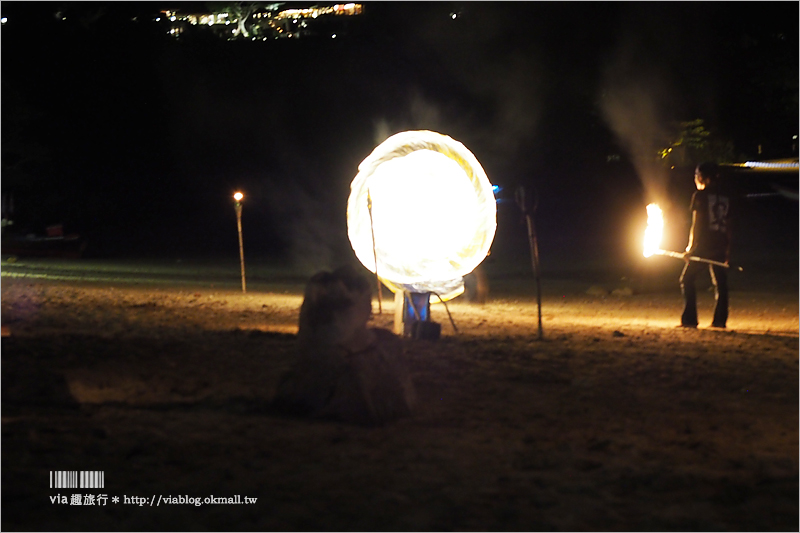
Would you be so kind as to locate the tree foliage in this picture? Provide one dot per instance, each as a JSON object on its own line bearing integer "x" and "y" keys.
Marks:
{"x": 691, "y": 143}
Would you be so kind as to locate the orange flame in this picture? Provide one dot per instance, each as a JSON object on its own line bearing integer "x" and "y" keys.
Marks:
{"x": 654, "y": 231}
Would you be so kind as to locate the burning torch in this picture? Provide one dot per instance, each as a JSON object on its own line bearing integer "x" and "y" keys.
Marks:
{"x": 652, "y": 240}
{"x": 238, "y": 205}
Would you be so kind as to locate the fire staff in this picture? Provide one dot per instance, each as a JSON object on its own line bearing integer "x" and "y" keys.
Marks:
{"x": 710, "y": 237}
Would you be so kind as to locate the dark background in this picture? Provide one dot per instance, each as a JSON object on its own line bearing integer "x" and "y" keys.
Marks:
{"x": 137, "y": 140}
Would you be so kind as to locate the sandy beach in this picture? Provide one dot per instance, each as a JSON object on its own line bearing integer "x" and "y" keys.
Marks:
{"x": 163, "y": 378}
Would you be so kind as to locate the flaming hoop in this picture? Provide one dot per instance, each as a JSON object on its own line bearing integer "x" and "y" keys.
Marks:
{"x": 433, "y": 213}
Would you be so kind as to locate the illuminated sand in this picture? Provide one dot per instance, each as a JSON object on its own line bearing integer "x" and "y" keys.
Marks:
{"x": 616, "y": 420}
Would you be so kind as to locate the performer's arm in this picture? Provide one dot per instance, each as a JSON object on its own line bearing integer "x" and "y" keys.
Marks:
{"x": 690, "y": 246}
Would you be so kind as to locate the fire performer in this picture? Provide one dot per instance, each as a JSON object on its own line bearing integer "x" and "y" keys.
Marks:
{"x": 709, "y": 237}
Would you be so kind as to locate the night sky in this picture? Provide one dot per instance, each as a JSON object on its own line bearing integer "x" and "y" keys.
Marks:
{"x": 138, "y": 140}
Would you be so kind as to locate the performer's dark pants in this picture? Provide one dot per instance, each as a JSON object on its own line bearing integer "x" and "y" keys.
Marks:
{"x": 719, "y": 277}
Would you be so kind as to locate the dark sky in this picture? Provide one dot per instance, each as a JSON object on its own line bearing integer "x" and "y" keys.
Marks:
{"x": 138, "y": 140}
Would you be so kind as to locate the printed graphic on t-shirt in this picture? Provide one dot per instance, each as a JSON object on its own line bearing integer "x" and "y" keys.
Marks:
{"x": 718, "y": 212}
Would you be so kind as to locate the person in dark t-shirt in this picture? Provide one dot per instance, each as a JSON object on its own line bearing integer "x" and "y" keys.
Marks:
{"x": 710, "y": 238}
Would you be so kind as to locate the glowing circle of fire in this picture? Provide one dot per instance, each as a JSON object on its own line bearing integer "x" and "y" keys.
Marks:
{"x": 654, "y": 230}
{"x": 431, "y": 209}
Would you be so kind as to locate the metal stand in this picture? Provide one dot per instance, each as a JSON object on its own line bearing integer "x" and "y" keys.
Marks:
{"x": 375, "y": 254}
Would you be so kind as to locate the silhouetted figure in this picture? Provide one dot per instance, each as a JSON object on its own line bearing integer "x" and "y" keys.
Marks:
{"x": 710, "y": 238}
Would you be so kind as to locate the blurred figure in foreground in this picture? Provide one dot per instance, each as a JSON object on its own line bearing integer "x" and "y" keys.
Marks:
{"x": 343, "y": 369}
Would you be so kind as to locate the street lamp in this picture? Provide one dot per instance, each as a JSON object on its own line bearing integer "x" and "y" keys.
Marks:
{"x": 238, "y": 205}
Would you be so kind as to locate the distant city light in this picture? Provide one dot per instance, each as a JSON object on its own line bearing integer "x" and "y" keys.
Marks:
{"x": 453, "y": 16}
{"x": 5, "y": 19}
{"x": 333, "y": 36}
{"x": 238, "y": 196}
{"x": 295, "y": 16}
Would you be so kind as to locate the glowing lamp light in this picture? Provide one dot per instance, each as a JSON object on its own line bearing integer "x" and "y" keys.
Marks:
{"x": 431, "y": 209}
{"x": 238, "y": 208}
{"x": 654, "y": 230}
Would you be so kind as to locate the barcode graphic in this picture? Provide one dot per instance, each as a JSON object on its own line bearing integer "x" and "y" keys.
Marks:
{"x": 74, "y": 479}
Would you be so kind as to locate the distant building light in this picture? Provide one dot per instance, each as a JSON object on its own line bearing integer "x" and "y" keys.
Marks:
{"x": 453, "y": 16}
{"x": 158, "y": 19}
{"x": 333, "y": 36}
{"x": 5, "y": 19}
{"x": 173, "y": 18}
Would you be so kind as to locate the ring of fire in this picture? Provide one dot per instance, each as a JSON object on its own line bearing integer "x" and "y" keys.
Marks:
{"x": 431, "y": 209}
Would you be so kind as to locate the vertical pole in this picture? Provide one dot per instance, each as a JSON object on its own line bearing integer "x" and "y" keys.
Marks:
{"x": 375, "y": 255}
{"x": 534, "y": 245}
{"x": 241, "y": 245}
{"x": 535, "y": 259}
